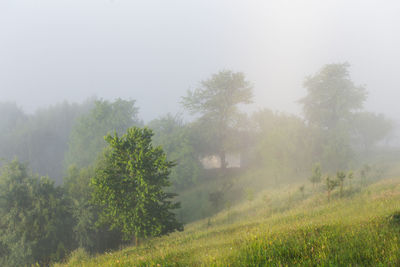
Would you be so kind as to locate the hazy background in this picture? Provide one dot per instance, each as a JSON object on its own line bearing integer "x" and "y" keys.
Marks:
{"x": 153, "y": 51}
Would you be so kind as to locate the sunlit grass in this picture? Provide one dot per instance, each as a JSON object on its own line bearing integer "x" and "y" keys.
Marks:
{"x": 279, "y": 228}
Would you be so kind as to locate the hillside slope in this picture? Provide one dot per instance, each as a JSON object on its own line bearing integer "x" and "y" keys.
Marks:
{"x": 281, "y": 227}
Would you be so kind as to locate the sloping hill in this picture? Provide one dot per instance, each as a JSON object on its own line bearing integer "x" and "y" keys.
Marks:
{"x": 281, "y": 227}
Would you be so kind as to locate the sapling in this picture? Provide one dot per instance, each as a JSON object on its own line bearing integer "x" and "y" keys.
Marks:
{"x": 330, "y": 185}
{"x": 341, "y": 176}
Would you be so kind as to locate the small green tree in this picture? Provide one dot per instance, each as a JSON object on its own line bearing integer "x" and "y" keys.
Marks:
{"x": 341, "y": 176}
{"x": 129, "y": 186}
{"x": 330, "y": 185}
{"x": 316, "y": 175}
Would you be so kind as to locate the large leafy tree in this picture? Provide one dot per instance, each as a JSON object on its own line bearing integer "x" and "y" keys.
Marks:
{"x": 129, "y": 186}
{"x": 217, "y": 102}
{"x": 331, "y": 101}
{"x": 87, "y": 136}
{"x": 332, "y": 97}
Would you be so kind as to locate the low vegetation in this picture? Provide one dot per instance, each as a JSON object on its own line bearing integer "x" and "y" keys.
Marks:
{"x": 280, "y": 227}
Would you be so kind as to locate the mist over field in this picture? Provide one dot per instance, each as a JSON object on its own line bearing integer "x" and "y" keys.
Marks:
{"x": 199, "y": 133}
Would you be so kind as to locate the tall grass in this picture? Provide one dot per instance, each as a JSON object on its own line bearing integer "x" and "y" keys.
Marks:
{"x": 282, "y": 228}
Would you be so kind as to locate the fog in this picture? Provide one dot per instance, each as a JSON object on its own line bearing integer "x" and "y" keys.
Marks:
{"x": 154, "y": 51}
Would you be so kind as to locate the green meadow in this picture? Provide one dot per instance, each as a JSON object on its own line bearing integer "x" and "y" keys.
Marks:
{"x": 280, "y": 227}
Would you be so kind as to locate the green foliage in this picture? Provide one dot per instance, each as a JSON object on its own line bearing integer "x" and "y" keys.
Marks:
{"x": 87, "y": 136}
{"x": 331, "y": 101}
{"x": 341, "y": 176}
{"x": 332, "y": 96}
{"x": 216, "y": 198}
{"x": 34, "y": 217}
{"x": 87, "y": 234}
{"x": 175, "y": 139}
{"x": 370, "y": 128}
{"x": 283, "y": 144}
{"x": 331, "y": 184}
{"x": 41, "y": 138}
{"x": 361, "y": 231}
{"x": 217, "y": 102}
{"x": 350, "y": 177}
{"x": 249, "y": 194}
{"x": 128, "y": 186}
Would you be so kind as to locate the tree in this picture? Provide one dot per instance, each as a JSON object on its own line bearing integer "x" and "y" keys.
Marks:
{"x": 370, "y": 128}
{"x": 331, "y": 96}
{"x": 217, "y": 102}
{"x": 87, "y": 136}
{"x": 35, "y": 220}
{"x": 174, "y": 137}
{"x": 330, "y": 186}
{"x": 93, "y": 238}
{"x": 129, "y": 186}
{"x": 40, "y": 138}
{"x": 283, "y": 144}
{"x": 331, "y": 101}
{"x": 341, "y": 176}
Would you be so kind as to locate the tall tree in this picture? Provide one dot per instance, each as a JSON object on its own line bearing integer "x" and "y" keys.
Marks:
{"x": 331, "y": 96}
{"x": 217, "y": 101}
{"x": 331, "y": 101}
{"x": 129, "y": 186}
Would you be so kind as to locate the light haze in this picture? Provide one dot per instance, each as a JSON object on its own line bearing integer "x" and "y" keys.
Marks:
{"x": 154, "y": 51}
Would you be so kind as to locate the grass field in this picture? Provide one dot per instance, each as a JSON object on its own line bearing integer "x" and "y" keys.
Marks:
{"x": 281, "y": 227}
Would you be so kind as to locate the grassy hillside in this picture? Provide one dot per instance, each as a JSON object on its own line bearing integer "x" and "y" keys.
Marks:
{"x": 280, "y": 227}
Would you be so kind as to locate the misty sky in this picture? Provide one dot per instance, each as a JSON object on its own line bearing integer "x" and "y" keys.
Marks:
{"x": 154, "y": 51}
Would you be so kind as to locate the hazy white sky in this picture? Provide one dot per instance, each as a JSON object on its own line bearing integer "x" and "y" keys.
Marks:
{"x": 153, "y": 51}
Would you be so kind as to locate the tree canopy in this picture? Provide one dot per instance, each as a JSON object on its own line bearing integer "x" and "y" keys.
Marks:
{"x": 331, "y": 96}
{"x": 217, "y": 101}
{"x": 129, "y": 186}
